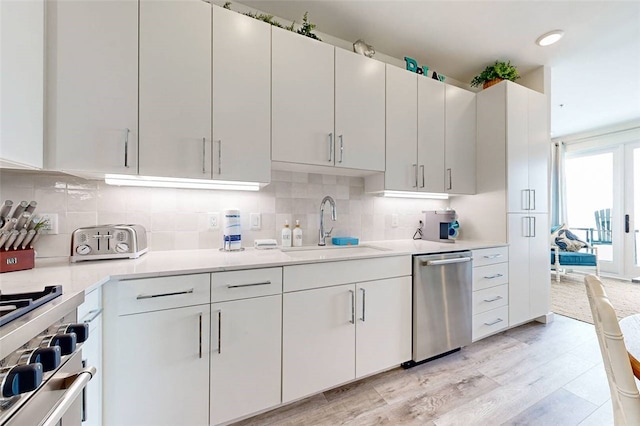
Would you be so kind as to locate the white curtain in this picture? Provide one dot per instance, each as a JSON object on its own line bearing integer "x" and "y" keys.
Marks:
{"x": 558, "y": 185}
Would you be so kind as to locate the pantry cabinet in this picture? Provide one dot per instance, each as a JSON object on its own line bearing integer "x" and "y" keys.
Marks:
{"x": 92, "y": 86}
{"x": 175, "y": 88}
{"x": 21, "y": 80}
{"x": 460, "y": 141}
{"x": 241, "y": 97}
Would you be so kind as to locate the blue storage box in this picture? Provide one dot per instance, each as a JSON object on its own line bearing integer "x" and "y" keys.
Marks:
{"x": 344, "y": 241}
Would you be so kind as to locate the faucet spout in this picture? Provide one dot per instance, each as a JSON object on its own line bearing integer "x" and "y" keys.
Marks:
{"x": 322, "y": 234}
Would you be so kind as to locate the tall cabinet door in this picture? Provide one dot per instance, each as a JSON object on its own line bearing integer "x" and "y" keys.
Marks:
{"x": 359, "y": 111}
{"x": 92, "y": 86}
{"x": 241, "y": 97}
{"x": 163, "y": 361}
{"x": 318, "y": 334}
{"x": 383, "y": 332}
{"x": 539, "y": 146}
{"x": 245, "y": 357}
{"x": 402, "y": 130}
{"x": 431, "y": 101}
{"x": 539, "y": 277}
{"x": 460, "y": 141}
{"x": 517, "y": 147}
{"x": 302, "y": 99}
{"x": 175, "y": 88}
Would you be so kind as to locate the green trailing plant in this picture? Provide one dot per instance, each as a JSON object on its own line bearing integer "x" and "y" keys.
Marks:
{"x": 502, "y": 70}
{"x": 227, "y": 5}
{"x": 306, "y": 29}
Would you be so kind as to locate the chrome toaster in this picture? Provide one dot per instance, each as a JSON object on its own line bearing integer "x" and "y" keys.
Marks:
{"x": 108, "y": 242}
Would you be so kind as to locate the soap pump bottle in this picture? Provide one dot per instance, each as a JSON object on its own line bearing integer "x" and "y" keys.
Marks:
{"x": 297, "y": 235}
{"x": 286, "y": 235}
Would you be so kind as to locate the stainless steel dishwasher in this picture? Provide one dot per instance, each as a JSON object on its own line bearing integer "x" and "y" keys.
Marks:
{"x": 441, "y": 304}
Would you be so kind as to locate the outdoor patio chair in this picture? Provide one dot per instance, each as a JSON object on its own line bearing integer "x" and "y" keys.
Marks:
{"x": 570, "y": 258}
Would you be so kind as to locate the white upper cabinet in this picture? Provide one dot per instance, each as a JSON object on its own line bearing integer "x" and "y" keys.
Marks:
{"x": 538, "y": 153}
{"x": 21, "y": 80}
{"x": 460, "y": 141}
{"x": 92, "y": 86}
{"x": 431, "y": 99}
{"x": 302, "y": 99}
{"x": 359, "y": 111}
{"x": 175, "y": 88}
{"x": 241, "y": 97}
{"x": 401, "y": 130}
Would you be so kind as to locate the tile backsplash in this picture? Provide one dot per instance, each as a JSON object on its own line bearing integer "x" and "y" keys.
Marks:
{"x": 176, "y": 219}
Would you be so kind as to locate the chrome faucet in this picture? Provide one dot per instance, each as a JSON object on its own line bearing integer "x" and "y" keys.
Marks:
{"x": 323, "y": 234}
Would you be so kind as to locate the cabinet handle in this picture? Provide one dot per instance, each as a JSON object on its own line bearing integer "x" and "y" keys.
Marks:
{"x": 341, "y": 149}
{"x": 450, "y": 179}
{"x": 353, "y": 307}
{"x": 248, "y": 285}
{"x": 491, "y": 277}
{"x": 126, "y": 147}
{"x": 415, "y": 175}
{"x": 330, "y": 147}
{"x": 532, "y": 227}
{"x": 532, "y": 199}
{"x": 526, "y": 228}
{"x": 364, "y": 295}
{"x": 524, "y": 199}
{"x": 204, "y": 155}
{"x": 151, "y": 296}
{"x": 219, "y": 350}
{"x": 492, "y": 256}
{"x": 200, "y": 335}
{"x": 219, "y": 141}
{"x": 422, "y": 171}
{"x": 91, "y": 315}
{"x": 494, "y": 299}
{"x": 494, "y": 322}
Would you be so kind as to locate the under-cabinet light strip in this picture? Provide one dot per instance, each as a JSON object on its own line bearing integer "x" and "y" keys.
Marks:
{"x": 165, "y": 182}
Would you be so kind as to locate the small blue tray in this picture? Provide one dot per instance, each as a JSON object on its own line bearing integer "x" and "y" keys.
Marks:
{"x": 344, "y": 241}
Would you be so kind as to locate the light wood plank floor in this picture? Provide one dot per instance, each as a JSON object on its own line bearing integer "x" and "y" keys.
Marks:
{"x": 535, "y": 374}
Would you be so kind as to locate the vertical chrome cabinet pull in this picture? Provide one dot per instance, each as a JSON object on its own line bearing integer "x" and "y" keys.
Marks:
{"x": 364, "y": 303}
{"x": 330, "y": 147}
{"x": 204, "y": 155}
{"x": 219, "y": 350}
{"x": 353, "y": 307}
{"x": 415, "y": 175}
{"x": 200, "y": 335}
{"x": 219, "y": 156}
{"x": 524, "y": 199}
{"x": 422, "y": 171}
{"x": 532, "y": 199}
{"x": 525, "y": 227}
{"x": 450, "y": 179}
{"x": 532, "y": 226}
{"x": 126, "y": 147}
{"x": 341, "y": 149}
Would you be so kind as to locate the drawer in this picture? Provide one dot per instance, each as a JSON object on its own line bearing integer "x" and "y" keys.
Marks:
{"x": 315, "y": 275}
{"x": 490, "y": 298}
{"x": 235, "y": 285}
{"x": 490, "y": 322}
{"x": 490, "y": 275}
{"x": 91, "y": 309}
{"x": 153, "y": 294}
{"x": 491, "y": 255}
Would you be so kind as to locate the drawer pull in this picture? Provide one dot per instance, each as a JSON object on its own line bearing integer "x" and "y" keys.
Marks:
{"x": 91, "y": 315}
{"x": 492, "y": 256}
{"x": 491, "y": 277}
{"x": 494, "y": 322}
{"x": 494, "y": 299}
{"x": 248, "y": 285}
{"x": 151, "y": 296}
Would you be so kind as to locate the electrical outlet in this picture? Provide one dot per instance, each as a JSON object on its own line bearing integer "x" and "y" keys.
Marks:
{"x": 51, "y": 223}
{"x": 394, "y": 220}
{"x": 213, "y": 221}
{"x": 256, "y": 221}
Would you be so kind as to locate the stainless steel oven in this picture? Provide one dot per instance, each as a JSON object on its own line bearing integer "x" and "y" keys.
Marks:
{"x": 42, "y": 378}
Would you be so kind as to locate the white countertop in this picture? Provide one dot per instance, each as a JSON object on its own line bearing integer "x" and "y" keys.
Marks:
{"x": 82, "y": 276}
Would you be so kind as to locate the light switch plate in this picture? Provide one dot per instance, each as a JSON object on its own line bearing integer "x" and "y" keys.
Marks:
{"x": 394, "y": 220}
{"x": 256, "y": 221}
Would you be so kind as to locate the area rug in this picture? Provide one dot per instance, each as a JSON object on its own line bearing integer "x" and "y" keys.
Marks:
{"x": 569, "y": 297}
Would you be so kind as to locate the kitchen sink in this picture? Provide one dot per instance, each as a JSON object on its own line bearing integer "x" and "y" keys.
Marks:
{"x": 331, "y": 252}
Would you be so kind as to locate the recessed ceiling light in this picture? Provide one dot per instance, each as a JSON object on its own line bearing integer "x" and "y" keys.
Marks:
{"x": 549, "y": 38}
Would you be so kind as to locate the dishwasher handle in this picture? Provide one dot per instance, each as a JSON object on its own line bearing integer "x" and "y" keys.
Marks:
{"x": 445, "y": 261}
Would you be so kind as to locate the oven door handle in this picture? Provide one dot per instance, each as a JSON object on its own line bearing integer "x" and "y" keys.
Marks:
{"x": 74, "y": 385}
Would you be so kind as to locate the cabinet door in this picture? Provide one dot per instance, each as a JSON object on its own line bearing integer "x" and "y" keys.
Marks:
{"x": 517, "y": 147}
{"x": 401, "y": 171}
{"x": 539, "y": 147}
{"x": 21, "y": 80}
{"x": 302, "y": 101}
{"x": 539, "y": 277}
{"x": 519, "y": 298}
{"x": 161, "y": 371}
{"x": 460, "y": 141}
{"x": 92, "y": 86}
{"x": 241, "y": 97}
{"x": 383, "y": 332}
{"x": 359, "y": 111}
{"x": 318, "y": 335}
{"x": 175, "y": 88}
{"x": 431, "y": 135}
{"x": 245, "y": 357}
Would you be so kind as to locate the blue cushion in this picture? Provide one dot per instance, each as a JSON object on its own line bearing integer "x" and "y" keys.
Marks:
{"x": 555, "y": 228}
{"x": 574, "y": 258}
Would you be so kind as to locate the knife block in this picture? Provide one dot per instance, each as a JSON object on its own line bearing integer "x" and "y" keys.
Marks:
{"x": 16, "y": 260}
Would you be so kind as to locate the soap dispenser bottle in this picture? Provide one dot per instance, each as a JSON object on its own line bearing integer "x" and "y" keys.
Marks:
{"x": 297, "y": 235}
{"x": 286, "y": 235}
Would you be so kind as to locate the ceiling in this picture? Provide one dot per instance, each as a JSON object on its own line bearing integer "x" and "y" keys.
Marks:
{"x": 595, "y": 68}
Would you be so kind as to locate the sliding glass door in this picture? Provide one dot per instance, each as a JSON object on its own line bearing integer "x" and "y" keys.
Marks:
{"x": 631, "y": 218}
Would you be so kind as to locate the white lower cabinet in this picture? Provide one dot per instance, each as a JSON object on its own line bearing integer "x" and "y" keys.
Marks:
{"x": 490, "y": 298}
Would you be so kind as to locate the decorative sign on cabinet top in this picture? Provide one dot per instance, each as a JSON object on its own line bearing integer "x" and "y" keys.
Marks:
{"x": 412, "y": 65}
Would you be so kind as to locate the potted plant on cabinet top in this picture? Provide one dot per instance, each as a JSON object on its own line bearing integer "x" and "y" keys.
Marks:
{"x": 495, "y": 73}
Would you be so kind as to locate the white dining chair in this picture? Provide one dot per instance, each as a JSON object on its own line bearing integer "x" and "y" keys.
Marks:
{"x": 624, "y": 392}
